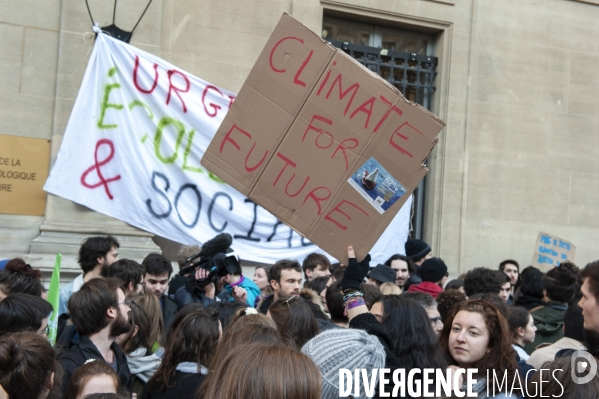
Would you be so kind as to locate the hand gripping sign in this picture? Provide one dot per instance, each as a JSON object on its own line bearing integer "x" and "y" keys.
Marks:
{"x": 321, "y": 142}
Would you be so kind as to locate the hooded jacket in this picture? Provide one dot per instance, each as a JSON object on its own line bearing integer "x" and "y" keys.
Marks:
{"x": 528, "y": 302}
{"x": 250, "y": 287}
{"x": 323, "y": 321}
{"x": 312, "y": 296}
{"x": 413, "y": 279}
{"x": 428, "y": 287}
{"x": 549, "y": 321}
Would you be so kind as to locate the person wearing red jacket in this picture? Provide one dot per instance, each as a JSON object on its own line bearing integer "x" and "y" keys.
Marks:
{"x": 434, "y": 274}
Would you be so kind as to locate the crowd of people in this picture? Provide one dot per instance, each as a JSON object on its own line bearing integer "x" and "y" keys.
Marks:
{"x": 135, "y": 330}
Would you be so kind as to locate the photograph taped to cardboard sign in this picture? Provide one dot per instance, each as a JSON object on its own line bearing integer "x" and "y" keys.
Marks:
{"x": 377, "y": 185}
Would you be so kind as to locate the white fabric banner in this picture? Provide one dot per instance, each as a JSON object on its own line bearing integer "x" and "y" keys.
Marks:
{"x": 132, "y": 147}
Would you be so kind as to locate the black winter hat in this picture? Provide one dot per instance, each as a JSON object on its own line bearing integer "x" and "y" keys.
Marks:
{"x": 382, "y": 273}
{"x": 433, "y": 270}
{"x": 416, "y": 249}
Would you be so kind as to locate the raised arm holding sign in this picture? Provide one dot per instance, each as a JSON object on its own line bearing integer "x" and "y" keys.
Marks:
{"x": 321, "y": 142}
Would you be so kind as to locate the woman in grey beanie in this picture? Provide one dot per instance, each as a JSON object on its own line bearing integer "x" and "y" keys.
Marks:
{"x": 349, "y": 349}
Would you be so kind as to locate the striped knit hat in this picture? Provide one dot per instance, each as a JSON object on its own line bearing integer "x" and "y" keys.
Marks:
{"x": 342, "y": 348}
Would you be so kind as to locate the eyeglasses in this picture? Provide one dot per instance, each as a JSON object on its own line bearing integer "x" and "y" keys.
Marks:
{"x": 46, "y": 330}
{"x": 435, "y": 320}
{"x": 127, "y": 303}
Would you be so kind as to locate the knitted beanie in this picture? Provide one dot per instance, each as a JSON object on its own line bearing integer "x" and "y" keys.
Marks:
{"x": 433, "y": 270}
{"x": 416, "y": 249}
{"x": 342, "y": 348}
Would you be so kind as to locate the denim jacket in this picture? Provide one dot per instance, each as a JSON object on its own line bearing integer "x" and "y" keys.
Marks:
{"x": 66, "y": 292}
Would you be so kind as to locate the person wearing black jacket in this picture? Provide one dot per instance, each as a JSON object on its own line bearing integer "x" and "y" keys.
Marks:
{"x": 373, "y": 323}
{"x": 207, "y": 295}
{"x": 530, "y": 293}
{"x": 99, "y": 312}
{"x": 358, "y": 314}
{"x": 187, "y": 356}
{"x": 158, "y": 273}
{"x": 285, "y": 278}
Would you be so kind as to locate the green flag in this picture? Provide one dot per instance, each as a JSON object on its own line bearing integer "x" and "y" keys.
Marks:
{"x": 54, "y": 298}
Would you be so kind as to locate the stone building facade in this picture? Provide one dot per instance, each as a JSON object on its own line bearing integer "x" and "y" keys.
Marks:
{"x": 517, "y": 83}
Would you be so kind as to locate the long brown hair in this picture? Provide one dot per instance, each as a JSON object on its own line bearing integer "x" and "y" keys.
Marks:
{"x": 501, "y": 356}
{"x": 181, "y": 314}
{"x": 84, "y": 373}
{"x": 243, "y": 318}
{"x": 263, "y": 371}
{"x": 147, "y": 316}
{"x": 295, "y": 321}
{"x": 245, "y": 334}
{"x": 194, "y": 340}
{"x": 246, "y": 328}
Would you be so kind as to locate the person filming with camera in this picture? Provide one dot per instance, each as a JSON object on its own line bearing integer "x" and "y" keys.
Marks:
{"x": 214, "y": 276}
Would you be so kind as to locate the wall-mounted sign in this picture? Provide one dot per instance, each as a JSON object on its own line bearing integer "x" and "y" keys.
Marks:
{"x": 24, "y": 164}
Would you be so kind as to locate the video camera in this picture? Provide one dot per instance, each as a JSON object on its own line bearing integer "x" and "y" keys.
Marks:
{"x": 216, "y": 256}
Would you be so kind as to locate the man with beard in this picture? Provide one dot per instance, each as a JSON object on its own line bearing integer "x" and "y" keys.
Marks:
{"x": 512, "y": 269}
{"x": 100, "y": 312}
{"x": 285, "y": 278}
{"x": 95, "y": 255}
{"x": 404, "y": 269}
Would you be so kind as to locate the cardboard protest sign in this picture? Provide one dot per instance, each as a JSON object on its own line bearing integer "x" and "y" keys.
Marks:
{"x": 321, "y": 142}
{"x": 550, "y": 251}
{"x": 132, "y": 147}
